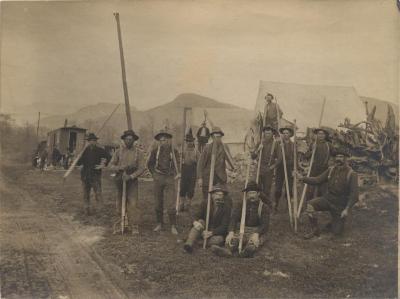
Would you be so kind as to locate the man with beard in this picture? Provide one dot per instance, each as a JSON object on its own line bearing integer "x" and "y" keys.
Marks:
{"x": 286, "y": 134}
{"x": 269, "y": 152}
{"x": 221, "y": 157}
{"x": 93, "y": 159}
{"x": 162, "y": 163}
{"x": 190, "y": 157}
{"x": 342, "y": 194}
{"x": 323, "y": 152}
{"x": 272, "y": 112}
{"x": 256, "y": 224}
{"x": 220, "y": 212}
{"x": 128, "y": 162}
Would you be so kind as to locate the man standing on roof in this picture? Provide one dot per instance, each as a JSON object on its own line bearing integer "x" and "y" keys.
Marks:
{"x": 323, "y": 152}
{"x": 221, "y": 157}
{"x": 286, "y": 134}
{"x": 128, "y": 162}
{"x": 341, "y": 196}
{"x": 272, "y": 112}
{"x": 163, "y": 164}
{"x": 203, "y": 134}
{"x": 93, "y": 159}
{"x": 190, "y": 157}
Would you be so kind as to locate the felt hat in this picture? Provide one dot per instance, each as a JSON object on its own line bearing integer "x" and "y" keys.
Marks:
{"x": 129, "y": 133}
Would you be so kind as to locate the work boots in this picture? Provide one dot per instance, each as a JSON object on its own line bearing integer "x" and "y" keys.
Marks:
{"x": 314, "y": 229}
{"x": 221, "y": 251}
{"x": 248, "y": 251}
{"x": 194, "y": 234}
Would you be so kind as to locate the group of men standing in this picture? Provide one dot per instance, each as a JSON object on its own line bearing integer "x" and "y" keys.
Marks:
{"x": 331, "y": 188}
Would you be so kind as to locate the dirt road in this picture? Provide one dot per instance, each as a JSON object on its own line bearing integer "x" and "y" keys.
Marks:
{"x": 44, "y": 255}
{"x": 51, "y": 249}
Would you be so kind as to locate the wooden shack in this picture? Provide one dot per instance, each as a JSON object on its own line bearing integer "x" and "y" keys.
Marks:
{"x": 66, "y": 139}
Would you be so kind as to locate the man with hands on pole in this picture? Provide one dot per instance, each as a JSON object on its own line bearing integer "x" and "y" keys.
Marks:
{"x": 256, "y": 224}
{"x": 163, "y": 164}
{"x": 219, "y": 217}
{"x": 222, "y": 156}
{"x": 128, "y": 162}
{"x": 341, "y": 195}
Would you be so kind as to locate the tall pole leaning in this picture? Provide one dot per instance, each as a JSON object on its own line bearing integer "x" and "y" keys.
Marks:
{"x": 303, "y": 194}
{"x": 124, "y": 84}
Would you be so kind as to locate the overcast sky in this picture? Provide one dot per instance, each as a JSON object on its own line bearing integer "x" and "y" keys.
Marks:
{"x": 68, "y": 51}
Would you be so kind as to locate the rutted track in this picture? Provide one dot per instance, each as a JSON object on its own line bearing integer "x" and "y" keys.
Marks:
{"x": 43, "y": 256}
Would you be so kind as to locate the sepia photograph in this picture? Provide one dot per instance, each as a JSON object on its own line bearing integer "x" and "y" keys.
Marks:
{"x": 199, "y": 149}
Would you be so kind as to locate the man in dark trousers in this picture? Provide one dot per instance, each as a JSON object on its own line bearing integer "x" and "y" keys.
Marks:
{"x": 203, "y": 134}
{"x": 129, "y": 163}
{"x": 269, "y": 151}
{"x": 341, "y": 195}
{"x": 256, "y": 224}
{"x": 189, "y": 167}
{"x": 162, "y": 163}
{"x": 323, "y": 152}
{"x": 286, "y": 134}
{"x": 93, "y": 160}
{"x": 272, "y": 112}
{"x": 220, "y": 213}
{"x": 222, "y": 156}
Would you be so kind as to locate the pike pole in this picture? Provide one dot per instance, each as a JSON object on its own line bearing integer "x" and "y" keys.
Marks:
{"x": 311, "y": 162}
{"x": 178, "y": 199}
{"x": 244, "y": 206}
{"x": 295, "y": 199}
{"x": 210, "y": 186}
{"x": 284, "y": 168}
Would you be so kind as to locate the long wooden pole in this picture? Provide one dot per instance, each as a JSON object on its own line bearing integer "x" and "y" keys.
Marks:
{"x": 178, "y": 198}
{"x": 284, "y": 168}
{"x": 311, "y": 161}
{"x": 123, "y": 205}
{"x": 295, "y": 199}
{"x": 124, "y": 84}
{"x": 210, "y": 186}
{"x": 244, "y": 206}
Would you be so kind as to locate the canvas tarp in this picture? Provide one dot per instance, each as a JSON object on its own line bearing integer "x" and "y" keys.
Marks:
{"x": 234, "y": 122}
{"x": 304, "y": 102}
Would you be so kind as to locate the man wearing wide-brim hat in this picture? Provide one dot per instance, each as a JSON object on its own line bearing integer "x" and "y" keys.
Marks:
{"x": 163, "y": 164}
{"x": 269, "y": 151}
{"x": 220, "y": 212}
{"x": 129, "y": 163}
{"x": 93, "y": 159}
{"x": 203, "y": 135}
{"x": 221, "y": 159}
{"x": 323, "y": 152}
{"x": 342, "y": 194}
{"x": 256, "y": 224}
{"x": 286, "y": 133}
{"x": 190, "y": 157}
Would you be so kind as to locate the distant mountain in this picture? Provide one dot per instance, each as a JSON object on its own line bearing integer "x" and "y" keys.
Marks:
{"x": 146, "y": 123}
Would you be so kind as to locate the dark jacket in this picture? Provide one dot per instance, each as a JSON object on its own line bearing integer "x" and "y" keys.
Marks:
{"x": 342, "y": 185}
{"x": 161, "y": 160}
{"x": 90, "y": 158}
{"x": 219, "y": 219}
{"x": 253, "y": 216}
{"x": 323, "y": 152}
{"x": 270, "y": 153}
{"x": 289, "y": 155}
{"x": 204, "y": 163}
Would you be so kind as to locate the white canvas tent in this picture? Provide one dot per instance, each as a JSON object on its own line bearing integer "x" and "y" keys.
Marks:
{"x": 304, "y": 102}
{"x": 234, "y": 122}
